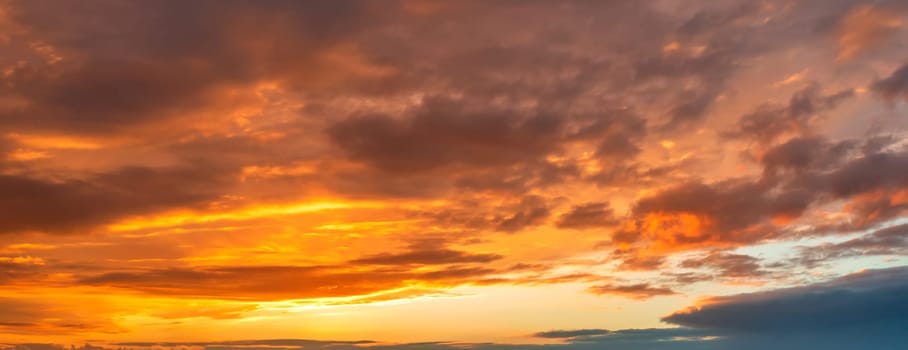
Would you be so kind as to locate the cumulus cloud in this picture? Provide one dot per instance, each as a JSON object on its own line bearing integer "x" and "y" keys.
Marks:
{"x": 692, "y": 214}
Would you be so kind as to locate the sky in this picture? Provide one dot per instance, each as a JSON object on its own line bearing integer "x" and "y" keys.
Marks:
{"x": 441, "y": 175}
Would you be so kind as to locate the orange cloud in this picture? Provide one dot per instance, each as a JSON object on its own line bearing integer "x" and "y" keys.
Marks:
{"x": 866, "y": 27}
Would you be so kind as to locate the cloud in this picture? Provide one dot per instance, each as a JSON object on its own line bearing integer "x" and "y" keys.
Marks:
{"x": 271, "y": 282}
{"x": 855, "y": 177}
{"x": 895, "y": 85}
{"x": 268, "y": 343}
{"x": 657, "y": 339}
{"x": 510, "y": 216}
{"x": 37, "y": 316}
{"x": 727, "y": 265}
{"x": 588, "y": 215}
{"x": 34, "y": 204}
{"x": 557, "y": 334}
{"x": 866, "y": 27}
{"x": 532, "y": 211}
{"x": 694, "y": 214}
{"x": 771, "y": 121}
{"x": 801, "y": 154}
{"x": 377, "y": 279}
{"x": 442, "y": 134}
{"x": 863, "y": 310}
{"x": 98, "y": 88}
{"x": 865, "y": 300}
{"x": 427, "y": 257}
{"x": 886, "y": 241}
{"x": 799, "y": 176}
{"x": 458, "y": 121}
{"x": 633, "y": 291}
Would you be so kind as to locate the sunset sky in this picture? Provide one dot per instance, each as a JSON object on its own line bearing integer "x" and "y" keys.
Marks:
{"x": 421, "y": 174}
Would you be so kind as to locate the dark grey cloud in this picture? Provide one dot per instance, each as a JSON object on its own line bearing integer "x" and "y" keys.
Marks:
{"x": 476, "y": 215}
{"x": 802, "y": 154}
{"x": 164, "y": 62}
{"x": 531, "y": 211}
{"x": 865, "y": 300}
{"x": 573, "y": 333}
{"x": 463, "y": 144}
{"x": 630, "y": 258}
{"x": 156, "y": 62}
{"x": 34, "y": 204}
{"x": 728, "y": 265}
{"x": 895, "y": 85}
{"x": 443, "y": 135}
{"x": 879, "y": 171}
{"x": 891, "y": 240}
{"x": 770, "y": 121}
{"x": 589, "y": 215}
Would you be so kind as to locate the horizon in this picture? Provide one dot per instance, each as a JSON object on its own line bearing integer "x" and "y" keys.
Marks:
{"x": 441, "y": 175}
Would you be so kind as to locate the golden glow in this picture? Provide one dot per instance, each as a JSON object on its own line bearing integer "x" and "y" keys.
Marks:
{"x": 673, "y": 230}
{"x": 54, "y": 142}
{"x": 185, "y": 218}
{"x": 26, "y": 155}
{"x": 793, "y": 78}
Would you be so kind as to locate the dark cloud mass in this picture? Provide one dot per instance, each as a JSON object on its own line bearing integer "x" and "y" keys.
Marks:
{"x": 865, "y": 301}
{"x": 444, "y": 135}
{"x": 32, "y": 204}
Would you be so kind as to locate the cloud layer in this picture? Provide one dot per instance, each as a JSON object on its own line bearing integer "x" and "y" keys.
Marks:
{"x": 325, "y": 163}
